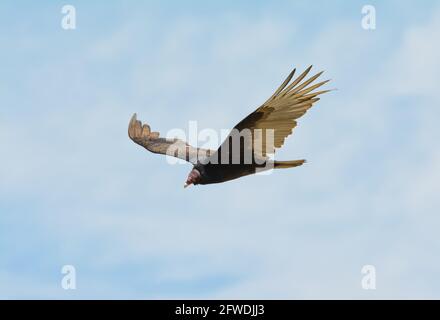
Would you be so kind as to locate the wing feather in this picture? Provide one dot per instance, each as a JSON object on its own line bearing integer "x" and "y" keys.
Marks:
{"x": 142, "y": 135}
{"x": 280, "y": 112}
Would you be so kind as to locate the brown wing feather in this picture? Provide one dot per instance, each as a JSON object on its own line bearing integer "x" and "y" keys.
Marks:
{"x": 280, "y": 111}
{"x": 142, "y": 135}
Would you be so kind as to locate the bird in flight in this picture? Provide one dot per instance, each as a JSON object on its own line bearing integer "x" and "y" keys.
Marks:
{"x": 247, "y": 148}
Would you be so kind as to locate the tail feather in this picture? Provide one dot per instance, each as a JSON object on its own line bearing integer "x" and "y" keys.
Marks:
{"x": 288, "y": 164}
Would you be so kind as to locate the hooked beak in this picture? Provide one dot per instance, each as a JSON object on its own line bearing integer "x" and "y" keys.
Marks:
{"x": 186, "y": 185}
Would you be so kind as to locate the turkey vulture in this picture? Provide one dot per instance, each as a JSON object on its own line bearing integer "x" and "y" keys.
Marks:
{"x": 267, "y": 128}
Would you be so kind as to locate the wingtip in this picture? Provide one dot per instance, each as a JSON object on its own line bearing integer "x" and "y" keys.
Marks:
{"x": 132, "y": 126}
{"x": 133, "y": 119}
{"x": 332, "y": 89}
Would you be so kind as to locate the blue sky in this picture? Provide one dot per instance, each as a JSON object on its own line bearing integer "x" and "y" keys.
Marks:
{"x": 74, "y": 190}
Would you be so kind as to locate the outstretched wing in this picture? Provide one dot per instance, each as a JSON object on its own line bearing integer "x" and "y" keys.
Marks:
{"x": 142, "y": 135}
{"x": 278, "y": 114}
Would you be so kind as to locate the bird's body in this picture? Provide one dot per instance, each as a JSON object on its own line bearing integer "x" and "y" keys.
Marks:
{"x": 247, "y": 148}
{"x": 216, "y": 173}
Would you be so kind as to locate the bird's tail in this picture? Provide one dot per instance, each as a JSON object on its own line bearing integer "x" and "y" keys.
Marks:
{"x": 288, "y": 164}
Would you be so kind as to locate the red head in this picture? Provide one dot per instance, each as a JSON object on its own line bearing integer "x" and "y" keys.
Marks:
{"x": 193, "y": 178}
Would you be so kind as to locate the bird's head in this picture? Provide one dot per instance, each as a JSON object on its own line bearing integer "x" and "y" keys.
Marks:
{"x": 193, "y": 178}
